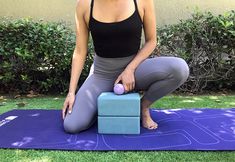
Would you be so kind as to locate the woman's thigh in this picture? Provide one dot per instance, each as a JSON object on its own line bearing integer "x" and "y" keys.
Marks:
{"x": 85, "y": 105}
{"x": 159, "y": 68}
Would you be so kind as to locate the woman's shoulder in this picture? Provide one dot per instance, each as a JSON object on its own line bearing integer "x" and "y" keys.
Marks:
{"x": 83, "y": 5}
{"x": 146, "y": 3}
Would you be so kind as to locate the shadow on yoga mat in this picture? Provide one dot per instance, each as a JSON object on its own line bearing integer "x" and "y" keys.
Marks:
{"x": 179, "y": 129}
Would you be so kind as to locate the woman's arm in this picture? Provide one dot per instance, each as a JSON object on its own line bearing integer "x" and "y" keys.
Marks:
{"x": 149, "y": 25}
{"x": 80, "y": 51}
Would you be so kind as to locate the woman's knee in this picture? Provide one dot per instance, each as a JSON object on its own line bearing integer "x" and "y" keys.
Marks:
{"x": 71, "y": 126}
{"x": 180, "y": 70}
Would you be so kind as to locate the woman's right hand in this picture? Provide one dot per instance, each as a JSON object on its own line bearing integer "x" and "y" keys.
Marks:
{"x": 68, "y": 104}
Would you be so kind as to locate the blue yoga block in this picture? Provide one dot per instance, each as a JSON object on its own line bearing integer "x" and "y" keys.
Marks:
{"x": 118, "y": 125}
{"x": 111, "y": 104}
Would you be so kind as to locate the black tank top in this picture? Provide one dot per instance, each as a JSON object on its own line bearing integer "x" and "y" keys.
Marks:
{"x": 116, "y": 39}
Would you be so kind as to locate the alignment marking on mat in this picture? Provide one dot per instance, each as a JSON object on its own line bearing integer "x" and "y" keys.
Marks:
{"x": 189, "y": 128}
{"x": 157, "y": 141}
{"x": 7, "y": 120}
{"x": 212, "y": 130}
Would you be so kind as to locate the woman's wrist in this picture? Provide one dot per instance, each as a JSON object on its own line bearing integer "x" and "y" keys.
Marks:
{"x": 70, "y": 94}
{"x": 130, "y": 68}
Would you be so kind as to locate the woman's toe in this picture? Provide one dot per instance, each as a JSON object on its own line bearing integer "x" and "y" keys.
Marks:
{"x": 155, "y": 126}
{"x": 151, "y": 127}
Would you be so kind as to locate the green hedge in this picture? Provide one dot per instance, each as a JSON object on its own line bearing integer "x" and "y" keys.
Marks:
{"x": 36, "y": 55}
{"x": 207, "y": 43}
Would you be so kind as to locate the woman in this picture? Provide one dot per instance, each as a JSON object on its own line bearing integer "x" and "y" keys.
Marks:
{"x": 116, "y": 26}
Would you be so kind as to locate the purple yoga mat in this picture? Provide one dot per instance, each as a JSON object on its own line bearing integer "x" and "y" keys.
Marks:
{"x": 179, "y": 129}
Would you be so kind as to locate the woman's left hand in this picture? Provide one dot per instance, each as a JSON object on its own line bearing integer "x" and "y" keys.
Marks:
{"x": 128, "y": 79}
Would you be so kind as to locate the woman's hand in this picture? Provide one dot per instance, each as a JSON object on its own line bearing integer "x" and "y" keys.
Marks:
{"x": 68, "y": 104}
{"x": 128, "y": 79}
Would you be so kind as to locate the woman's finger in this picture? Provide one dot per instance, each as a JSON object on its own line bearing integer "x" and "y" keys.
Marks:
{"x": 63, "y": 113}
{"x": 126, "y": 88}
{"x": 64, "y": 110}
{"x": 129, "y": 89}
{"x": 117, "y": 80}
{"x": 133, "y": 86}
{"x": 70, "y": 108}
{"x": 130, "y": 86}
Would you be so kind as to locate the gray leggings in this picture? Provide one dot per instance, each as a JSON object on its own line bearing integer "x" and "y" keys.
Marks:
{"x": 156, "y": 76}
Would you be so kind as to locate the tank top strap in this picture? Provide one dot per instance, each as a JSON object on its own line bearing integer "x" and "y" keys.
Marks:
{"x": 136, "y": 8}
{"x": 91, "y": 8}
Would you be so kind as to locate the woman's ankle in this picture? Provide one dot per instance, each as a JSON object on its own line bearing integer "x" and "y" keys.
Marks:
{"x": 145, "y": 104}
{"x": 145, "y": 112}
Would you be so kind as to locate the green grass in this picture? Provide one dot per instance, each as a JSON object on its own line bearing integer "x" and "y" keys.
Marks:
{"x": 167, "y": 102}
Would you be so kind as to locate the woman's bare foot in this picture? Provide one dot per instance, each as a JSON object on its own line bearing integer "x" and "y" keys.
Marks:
{"x": 146, "y": 119}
